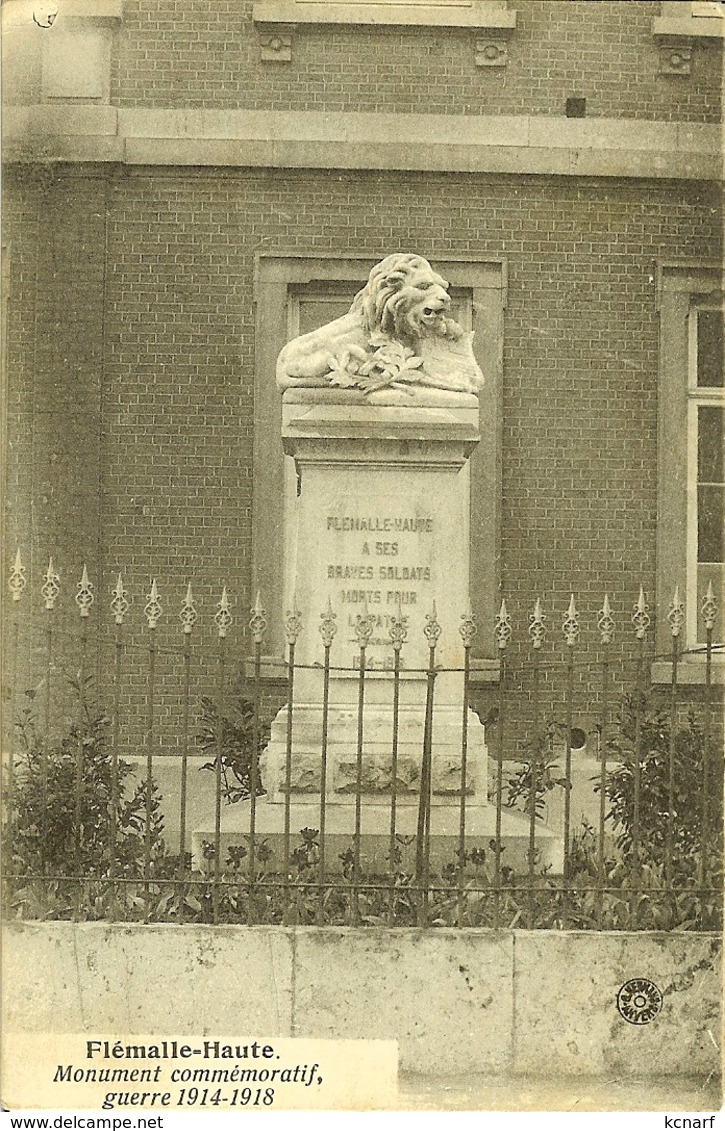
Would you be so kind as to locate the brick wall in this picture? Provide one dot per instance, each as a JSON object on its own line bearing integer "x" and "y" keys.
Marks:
{"x": 131, "y": 331}
{"x": 204, "y": 53}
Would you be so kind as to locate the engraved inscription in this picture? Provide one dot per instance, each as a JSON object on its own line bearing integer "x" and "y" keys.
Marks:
{"x": 378, "y": 562}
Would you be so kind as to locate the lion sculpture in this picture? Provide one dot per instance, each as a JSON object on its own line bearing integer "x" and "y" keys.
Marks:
{"x": 397, "y": 334}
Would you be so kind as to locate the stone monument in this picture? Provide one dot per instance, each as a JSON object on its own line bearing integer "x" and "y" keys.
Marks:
{"x": 380, "y": 414}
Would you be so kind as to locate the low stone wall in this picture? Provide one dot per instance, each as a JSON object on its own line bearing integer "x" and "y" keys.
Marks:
{"x": 458, "y": 1002}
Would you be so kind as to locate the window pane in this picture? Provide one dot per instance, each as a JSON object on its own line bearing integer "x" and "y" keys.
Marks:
{"x": 710, "y": 445}
{"x": 710, "y": 348}
{"x": 710, "y": 503}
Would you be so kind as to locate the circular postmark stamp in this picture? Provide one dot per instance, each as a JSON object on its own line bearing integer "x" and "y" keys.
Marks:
{"x": 639, "y": 1001}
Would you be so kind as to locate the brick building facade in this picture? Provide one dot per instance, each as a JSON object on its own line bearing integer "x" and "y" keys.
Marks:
{"x": 160, "y": 153}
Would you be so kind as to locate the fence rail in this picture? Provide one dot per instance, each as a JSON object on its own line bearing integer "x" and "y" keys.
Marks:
{"x": 392, "y": 846}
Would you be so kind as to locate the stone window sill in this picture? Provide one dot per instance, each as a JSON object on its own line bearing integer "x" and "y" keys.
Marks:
{"x": 691, "y": 27}
{"x": 484, "y": 14}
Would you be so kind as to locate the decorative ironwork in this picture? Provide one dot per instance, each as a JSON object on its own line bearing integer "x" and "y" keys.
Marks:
{"x": 293, "y": 624}
{"x": 364, "y": 627}
{"x": 84, "y": 596}
{"x": 188, "y": 613}
{"x": 570, "y": 627}
{"x": 468, "y": 628}
{"x": 120, "y": 603}
{"x": 17, "y": 580}
{"x": 328, "y": 628}
{"x": 537, "y": 632}
{"x": 258, "y": 620}
{"x": 676, "y": 613}
{"x": 51, "y": 586}
{"x": 502, "y": 631}
{"x": 223, "y": 617}
{"x": 152, "y": 608}
{"x": 432, "y": 629}
{"x": 398, "y": 628}
{"x": 709, "y": 608}
{"x": 639, "y": 1001}
{"x": 605, "y": 622}
{"x": 640, "y": 618}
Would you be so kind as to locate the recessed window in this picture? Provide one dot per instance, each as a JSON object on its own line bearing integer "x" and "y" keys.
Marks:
{"x": 706, "y": 428}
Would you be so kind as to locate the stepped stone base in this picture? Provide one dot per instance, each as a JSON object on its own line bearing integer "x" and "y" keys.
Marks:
{"x": 375, "y": 833}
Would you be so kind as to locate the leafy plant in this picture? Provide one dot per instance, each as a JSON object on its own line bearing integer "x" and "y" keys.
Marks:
{"x": 536, "y": 775}
{"x": 72, "y": 813}
{"x": 655, "y": 824}
{"x": 231, "y": 737}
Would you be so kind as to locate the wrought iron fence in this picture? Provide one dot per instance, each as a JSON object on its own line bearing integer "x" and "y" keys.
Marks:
{"x": 81, "y": 841}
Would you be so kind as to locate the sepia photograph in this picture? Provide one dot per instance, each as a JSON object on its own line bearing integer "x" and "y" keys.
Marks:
{"x": 363, "y": 530}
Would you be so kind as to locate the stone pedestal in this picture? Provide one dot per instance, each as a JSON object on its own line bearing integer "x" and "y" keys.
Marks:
{"x": 381, "y": 524}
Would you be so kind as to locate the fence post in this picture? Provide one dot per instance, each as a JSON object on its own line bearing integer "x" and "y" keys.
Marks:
{"x": 467, "y": 630}
{"x": 327, "y": 629}
{"x": 188, "y": 617}
{"x": 709, "y": 614}
{"x": 537, "y": 632}
{"x": 119, "y": 607}
{"x": 292, "y": 629}
{"x": 84, "y": 599}
{"x": 676, "y": 619}
{"x": 641, "y": 622}
{"x": 50, "y": 590}
{"x": 605, "y": 624}
{"x": 258, "y": 627}
{"x": 432, "y": 631}
{"x": 152, "y": 612}
{"x": 223, "y": 620}
{"x": 363, "y": 633}
{"x": 570, "y": 629}
{"x": 398, "y": 635}
{"x": 502, "y": 633}
{"x": 17, "y": 582}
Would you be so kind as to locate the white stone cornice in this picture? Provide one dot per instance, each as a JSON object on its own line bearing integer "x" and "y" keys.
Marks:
{"x": 523, "y": 144}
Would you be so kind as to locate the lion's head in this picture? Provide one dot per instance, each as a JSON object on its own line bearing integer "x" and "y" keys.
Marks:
{"x": 405, "y": 298}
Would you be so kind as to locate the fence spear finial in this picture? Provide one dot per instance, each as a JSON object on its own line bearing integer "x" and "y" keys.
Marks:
{"x": 432, "y": 628}
{"x": 502, "y": 630}
{"x": 258, "y": 620}
{"x": 223, "y": 617}
{"x": 84, "y": 596}
{"x": 293, "y": 622}
{"x": 364, "y": 626}
{"x": 51, "y": 586}
{"x": 398, "y": 627}
{"x": 152, "y": 608}
{"x": 537, "y": 632}
{"x": 571, "y": 624}
{"x": 605, "y": 621}
{"x": 640, "y": 619}
{"x": 328, "y": 628}
{"x": 119, "y": 602}
{"x": 709, "y": 608}
{"x": 188, "y": 611}
{"x": 676, "y": 613}
{"x": 468, "y": 627}
{"x": 17, "y": 580}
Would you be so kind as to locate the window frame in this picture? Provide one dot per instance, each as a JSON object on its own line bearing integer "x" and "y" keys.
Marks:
{"x": 698, "y": 396}
{"x": 683, "y": 289}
